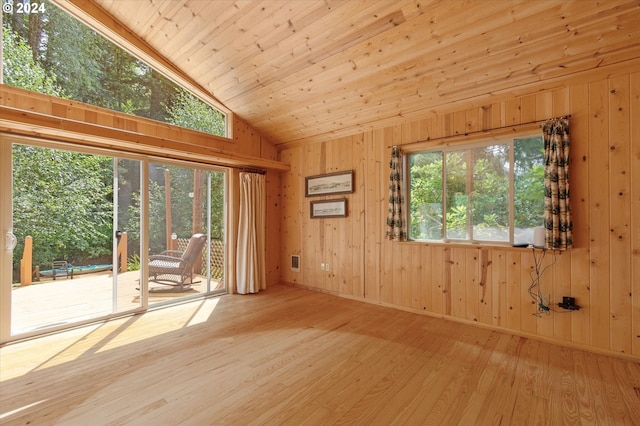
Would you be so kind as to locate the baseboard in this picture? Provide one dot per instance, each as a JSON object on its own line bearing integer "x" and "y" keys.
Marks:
{"x": 570, "y": 345}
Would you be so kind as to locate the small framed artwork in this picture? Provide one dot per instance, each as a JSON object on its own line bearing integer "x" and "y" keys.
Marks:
{"x": 332, "y": 183}
{"x": 329, "y": 208}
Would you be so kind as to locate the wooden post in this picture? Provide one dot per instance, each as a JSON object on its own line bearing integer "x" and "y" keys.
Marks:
{"x": 122, "y": 255}
{"x": 167, "y": 208}
{"x": 196, "y": 219}
{"x": 25, "y": 264}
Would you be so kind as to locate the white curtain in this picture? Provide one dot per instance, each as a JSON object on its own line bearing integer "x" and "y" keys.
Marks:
{"x": 251, "y": 274}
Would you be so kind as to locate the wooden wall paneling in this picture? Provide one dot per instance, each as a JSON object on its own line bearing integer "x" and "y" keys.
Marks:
{"x": 491, "y": 116}
{"x": 487, "y": 286}
{"x": 579, "y": 164}
{"x": 513, "y": 293}
{"x": 437, "y": 280}
{"x": 274, "y": 223}
{"x": 528, "y": 108}
{"x": 352, "y": 246}
{"x": 403, "y": 275}
{"x": 580, "y": 202}
{"x": 472, "y": 284}
{"x": 395, "y": 134}
{"x": 581, "y": 291}
{"x": 311, "y": 229}
{"x": 291, "y": 215}
{"x": 457, "y": 273}
{"x": 457, "y": 123}
{"x": 447, "y": 281}
{"x": 561, "y": 278}
{"x": 561, "y": 102}
{"x": 512, "y": 112}
{"x": 438, "y": 128}
{"x": 499, "y": 287}
{"x": 544, "y": 106}
{"x": 340, "y": 148}
{"x": 387, "y": 246}
{"x": 634, "y": 111}
{"x": 343, "y": 251}
{"x": 490, "y": 285}
{"x": 620, "y": 213}
{"x": 599, "y": 213}
{"x": 398, "y": 263}
{"x": 528, "y": 322}
{"x": 374, "y": 226}
{"x": 358, "y": 209}
{"x": 386, "y": 278}
{"x": 472, "y": 120}
{"x": 425, "y": 279}
{"x": 425, "y": 128}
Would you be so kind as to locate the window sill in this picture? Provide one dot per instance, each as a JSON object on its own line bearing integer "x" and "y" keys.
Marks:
{"x": 487, "y": 245}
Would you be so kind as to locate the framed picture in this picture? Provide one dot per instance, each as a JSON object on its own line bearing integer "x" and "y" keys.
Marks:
{"x": 332, "y": 183}
{"x": 329, "y": 208}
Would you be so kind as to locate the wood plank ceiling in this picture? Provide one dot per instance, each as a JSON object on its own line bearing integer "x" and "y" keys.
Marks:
{"x": 307, "y": 70}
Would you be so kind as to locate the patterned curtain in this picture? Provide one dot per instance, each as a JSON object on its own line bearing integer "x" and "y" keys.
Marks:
{"x": 396, "y": 229}
{"x": 557, "y": 214}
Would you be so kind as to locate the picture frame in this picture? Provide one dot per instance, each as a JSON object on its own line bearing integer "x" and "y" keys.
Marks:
{"x": 328, "y": 208}
{"x": 329, "y": 184}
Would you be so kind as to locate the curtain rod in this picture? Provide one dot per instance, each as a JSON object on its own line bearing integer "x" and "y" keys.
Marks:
{"x": 250, "y": 170}
{"x": 563, "y": 117}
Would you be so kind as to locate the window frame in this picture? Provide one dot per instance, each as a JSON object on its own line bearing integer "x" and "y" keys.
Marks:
{"x": 465, "y": 144}
{"x": 113, "y": 31}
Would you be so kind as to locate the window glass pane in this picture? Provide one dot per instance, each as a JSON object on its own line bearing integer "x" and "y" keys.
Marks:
{"x": 528, "y": 187}
{"x": 490, "y": 195}
{"x": 52, "y": 52}
{"x": 457, "y": 195}
{"x": 425, "y": 170}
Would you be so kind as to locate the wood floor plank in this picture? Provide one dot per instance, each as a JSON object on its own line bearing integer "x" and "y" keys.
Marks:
{"x": 291, "y": 356}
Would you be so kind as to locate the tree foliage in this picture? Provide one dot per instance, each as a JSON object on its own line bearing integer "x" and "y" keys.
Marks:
{"x": 21, "y": 70}
{"x": 64, "y": 203}
{"x": 89, "y": 68}
{"x": 481, "y": 200}
{"x": 64, "y": 199}
{"x": 189, "y": 111}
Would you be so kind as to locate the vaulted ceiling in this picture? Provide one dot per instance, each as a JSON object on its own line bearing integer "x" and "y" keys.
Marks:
{"x": 304, "y": 70}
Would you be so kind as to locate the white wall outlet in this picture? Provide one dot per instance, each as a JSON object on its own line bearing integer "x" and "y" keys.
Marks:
{"x": 326, "y": 266}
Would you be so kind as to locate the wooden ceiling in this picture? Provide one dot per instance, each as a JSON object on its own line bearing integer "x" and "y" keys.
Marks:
{"x": 308, "y": 70}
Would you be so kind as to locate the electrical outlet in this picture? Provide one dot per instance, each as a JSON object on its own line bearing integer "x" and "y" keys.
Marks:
{"x": 326, "y": 266}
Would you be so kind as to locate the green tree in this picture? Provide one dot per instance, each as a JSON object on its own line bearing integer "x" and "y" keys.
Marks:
{"x": 65, "y": 204}
{"x": 19, "y": 69}
{"x": 190, "y": 112}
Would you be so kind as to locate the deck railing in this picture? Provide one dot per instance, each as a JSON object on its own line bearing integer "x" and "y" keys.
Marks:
{"x": 217, "y": 257}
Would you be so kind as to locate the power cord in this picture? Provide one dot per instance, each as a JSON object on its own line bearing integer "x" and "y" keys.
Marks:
{"x": 542, "y": 305}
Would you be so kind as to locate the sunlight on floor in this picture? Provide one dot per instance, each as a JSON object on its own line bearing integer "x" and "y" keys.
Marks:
{"x": 204, "y": 312}
{"x": 17, "y": 410}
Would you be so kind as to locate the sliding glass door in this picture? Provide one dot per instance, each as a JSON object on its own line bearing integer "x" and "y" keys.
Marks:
{"x": 186, "y": 232}
{"x": 88, "y": 235}
{"x": 69, "y": 263}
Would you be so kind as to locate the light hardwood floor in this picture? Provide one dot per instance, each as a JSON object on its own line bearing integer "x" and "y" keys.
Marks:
{"x": 291, "y": 357}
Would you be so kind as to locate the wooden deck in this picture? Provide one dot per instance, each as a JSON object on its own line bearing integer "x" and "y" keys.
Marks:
{"x": 288, "y": 356}
{"x": 67, "y": 300}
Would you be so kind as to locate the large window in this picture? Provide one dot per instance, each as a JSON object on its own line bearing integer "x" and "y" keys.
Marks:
{"x": 48, "y": 51}
{"x": 485, "y": 192}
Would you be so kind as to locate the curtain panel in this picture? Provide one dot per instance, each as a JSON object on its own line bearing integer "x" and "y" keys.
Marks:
{"x": 396, "y": 226}
{"x": 557, "y": 211}
{"x": 250, "y": 254}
